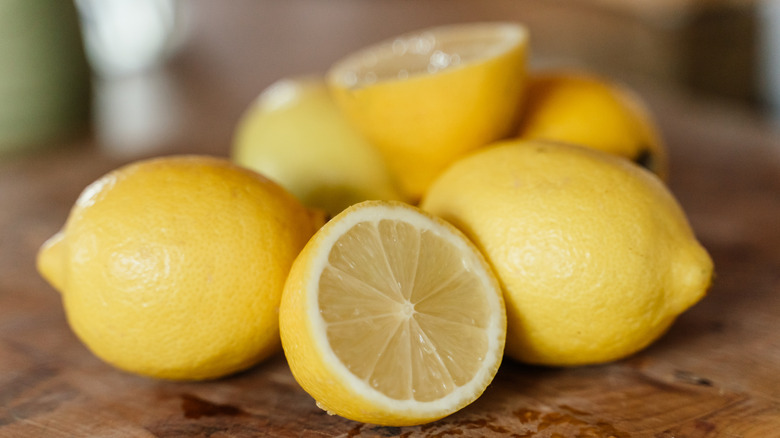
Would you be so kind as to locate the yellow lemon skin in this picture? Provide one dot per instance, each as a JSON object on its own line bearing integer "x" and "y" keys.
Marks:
{"x": 420, "y": 117}
{"x": 174, "y": 267}
{"x": 594, "y": 254}
{"x": 588, "y": 110}
{"x": 294, "y": 134}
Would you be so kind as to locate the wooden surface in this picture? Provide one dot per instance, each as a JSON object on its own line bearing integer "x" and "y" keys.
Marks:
{"x": 715, "y": 374}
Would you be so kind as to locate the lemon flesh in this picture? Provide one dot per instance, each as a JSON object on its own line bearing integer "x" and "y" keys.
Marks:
{"x": 392, "y": 317}
{"x": 174, "y": 267}
{"x": 594, "y": 254}
{"x": 426, "y": 98}
{"x": 294, "y": 134}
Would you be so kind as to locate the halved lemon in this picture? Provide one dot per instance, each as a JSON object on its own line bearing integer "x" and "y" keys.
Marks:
{"x": 391, "y": 316}
{"x": 426, "y": 98}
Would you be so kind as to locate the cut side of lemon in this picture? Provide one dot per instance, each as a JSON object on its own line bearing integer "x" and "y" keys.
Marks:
{"x": 428, "y": 97}
{"x": 391, "y": 316}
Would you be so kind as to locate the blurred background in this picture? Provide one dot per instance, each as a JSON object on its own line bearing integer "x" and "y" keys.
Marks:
{"x": 143, "y": 77}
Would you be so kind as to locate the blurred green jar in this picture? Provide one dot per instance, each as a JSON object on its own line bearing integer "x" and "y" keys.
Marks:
{"x": 45, "y": 90}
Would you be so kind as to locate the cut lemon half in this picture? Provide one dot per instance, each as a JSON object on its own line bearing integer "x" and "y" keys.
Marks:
{"x": 391, "y": 316}
{"x": 426, "y": 98}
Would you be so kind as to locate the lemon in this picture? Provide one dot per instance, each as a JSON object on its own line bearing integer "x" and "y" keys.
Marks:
{"x": 391, "y": 316}
{"x": 294, "y": 134}
{"x": 426, "y": 98}
{"x": 174, "y": 267}
{"x": 594, "y": 254}
{"x": 592, "y": 111}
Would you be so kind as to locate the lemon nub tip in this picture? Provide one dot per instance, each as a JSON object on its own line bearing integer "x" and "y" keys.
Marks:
{"x": 50, "y": 258}
{"x": 695, "y": 280}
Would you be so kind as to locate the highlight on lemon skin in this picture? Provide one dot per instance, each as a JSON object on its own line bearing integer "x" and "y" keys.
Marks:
{"x": 173, "y": 267}
{"x": 428, "y": 97}
{"x": 595, "y": 256}
{"x": 589, "y": 110}
{"x": 391, "y": 316}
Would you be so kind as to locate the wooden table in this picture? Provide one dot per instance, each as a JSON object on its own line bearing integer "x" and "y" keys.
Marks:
{"x": 715, "y": 374}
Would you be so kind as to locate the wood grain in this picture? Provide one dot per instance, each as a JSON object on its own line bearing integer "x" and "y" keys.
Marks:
{"x": 714, "y": 374}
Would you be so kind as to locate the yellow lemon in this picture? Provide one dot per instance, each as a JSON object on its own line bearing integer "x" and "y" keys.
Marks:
{"x": 591, "y": 111}
{"x": 595, "y": 256}
{"x": 174, "y": 267}
{"x": 294, "y": 134}
{"x": 426, "y": 98}
{"x": 391, "y": 316}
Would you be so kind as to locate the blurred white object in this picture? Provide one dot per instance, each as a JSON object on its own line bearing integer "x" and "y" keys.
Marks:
{"x": 769, "y": 12}
{"x": 129, "y": 36}
{"x": 136, "y": 114}
{"x": 127, "y": 42}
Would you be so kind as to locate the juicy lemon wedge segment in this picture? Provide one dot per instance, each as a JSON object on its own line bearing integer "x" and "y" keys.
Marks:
{"x": 391, "y": 316}
{"x": 426, "y": 98}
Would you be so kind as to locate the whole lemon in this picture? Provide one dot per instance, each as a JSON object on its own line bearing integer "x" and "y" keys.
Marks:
{"x": 594, "y": 254}
{"x": 174, "y": 267}
{"x": 294, "y": 134}
{"x": 592, "y": 111}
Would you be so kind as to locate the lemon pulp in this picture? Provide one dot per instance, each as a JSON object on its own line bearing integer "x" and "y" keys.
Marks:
{"x": 419, "y": 337}
{"x": 427, "y": 52}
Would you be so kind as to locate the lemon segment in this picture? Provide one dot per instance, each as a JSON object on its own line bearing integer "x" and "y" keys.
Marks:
{"x": 591, "y": 111}
{"x": 294, "y": 134}
{"x": 174, "y": 267}
{"x": 595, "y": 256}
{"x": 390, "y": 316}
{"x": 426, "y": 98}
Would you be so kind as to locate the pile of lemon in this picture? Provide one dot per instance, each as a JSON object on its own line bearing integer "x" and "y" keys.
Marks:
{"x": 475, "y": 208}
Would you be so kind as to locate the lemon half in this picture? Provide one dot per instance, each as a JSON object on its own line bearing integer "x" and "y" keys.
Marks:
{"x": 391, "y": 316}
{"x": 426, "y": 98}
